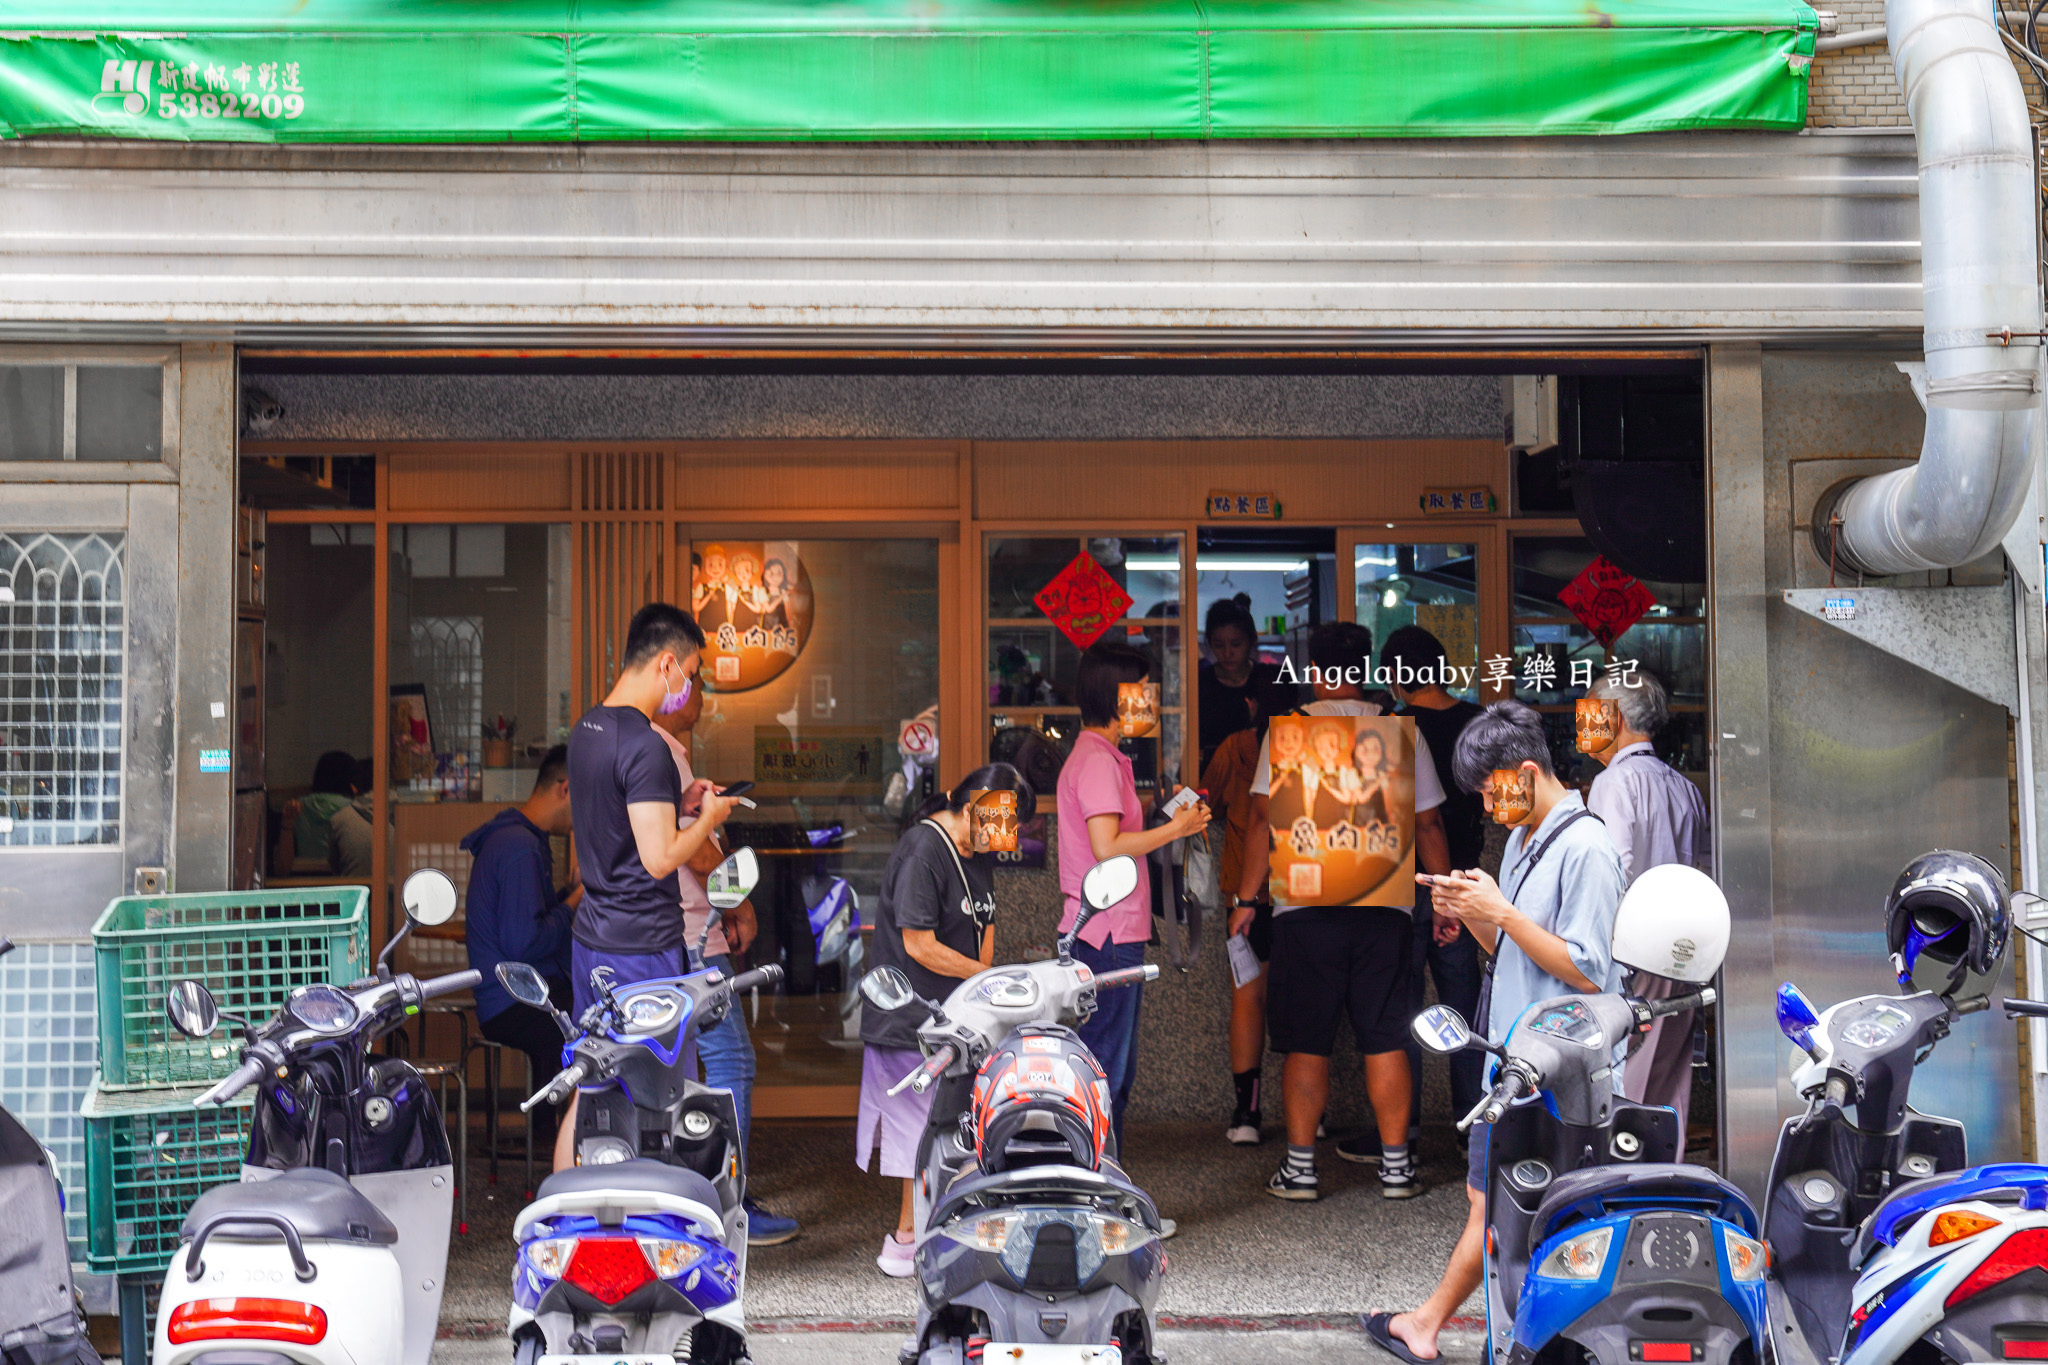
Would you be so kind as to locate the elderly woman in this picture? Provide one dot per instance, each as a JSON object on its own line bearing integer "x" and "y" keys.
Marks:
{"x": 936, "y": 926}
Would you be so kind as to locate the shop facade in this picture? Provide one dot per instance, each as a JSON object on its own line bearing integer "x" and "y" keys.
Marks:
{"x": 432, "y": 422}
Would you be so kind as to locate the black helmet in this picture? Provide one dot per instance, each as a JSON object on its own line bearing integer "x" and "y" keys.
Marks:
{"x": 1947, "y": 922}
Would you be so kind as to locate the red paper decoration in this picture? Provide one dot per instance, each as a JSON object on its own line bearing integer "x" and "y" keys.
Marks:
{"x": 1607, "y": 600}
{"x": 1083, "y": 601}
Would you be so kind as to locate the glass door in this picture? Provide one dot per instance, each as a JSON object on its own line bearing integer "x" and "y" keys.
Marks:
{"x": 1434, "y": 583}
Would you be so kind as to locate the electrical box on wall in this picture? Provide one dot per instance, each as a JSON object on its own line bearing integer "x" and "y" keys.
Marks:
{"x": 1535, "y": 413}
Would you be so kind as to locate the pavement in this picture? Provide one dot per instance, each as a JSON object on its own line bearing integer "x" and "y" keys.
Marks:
{"x": 1250, "y": 1277}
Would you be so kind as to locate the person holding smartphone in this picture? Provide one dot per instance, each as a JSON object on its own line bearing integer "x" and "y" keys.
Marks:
{"x": 1548, "y": 924}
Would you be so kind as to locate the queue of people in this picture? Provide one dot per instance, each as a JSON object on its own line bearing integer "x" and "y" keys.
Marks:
{"x": 647, "y": 831}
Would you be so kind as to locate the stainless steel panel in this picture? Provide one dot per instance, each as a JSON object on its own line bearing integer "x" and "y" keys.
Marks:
{"x": 57, "y": 893}
{"x": 1693, "y": 233}
{"x": 1872, "y": 762}
{"x": 151, "y": 763}
{"x": 1740, "y": 765}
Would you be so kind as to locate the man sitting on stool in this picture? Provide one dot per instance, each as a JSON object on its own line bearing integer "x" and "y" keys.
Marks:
{"x": 514, "y": 914}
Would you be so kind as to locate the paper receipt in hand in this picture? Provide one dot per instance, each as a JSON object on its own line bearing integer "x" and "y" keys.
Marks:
{"x": 1244, "y": 963}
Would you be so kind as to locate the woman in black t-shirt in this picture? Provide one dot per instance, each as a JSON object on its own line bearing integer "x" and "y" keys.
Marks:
{"x": 935, "y": 925}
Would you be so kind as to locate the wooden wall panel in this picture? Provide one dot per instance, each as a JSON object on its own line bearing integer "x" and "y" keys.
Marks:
{"x": 817, "y": 476}
{"x": 508, "y": 480}
{"x": 623, "y": 565}
{"x": 1318, "y": 482}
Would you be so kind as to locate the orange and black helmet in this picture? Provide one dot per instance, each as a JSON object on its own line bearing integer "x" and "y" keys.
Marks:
{"x": 1040, "y": 1098}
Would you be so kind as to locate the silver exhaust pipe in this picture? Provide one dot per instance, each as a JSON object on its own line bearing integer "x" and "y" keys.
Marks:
{"x": 1981, "y": 300}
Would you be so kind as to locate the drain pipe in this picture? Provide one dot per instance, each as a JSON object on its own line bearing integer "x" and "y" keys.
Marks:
{"x": 1980, "y": 296}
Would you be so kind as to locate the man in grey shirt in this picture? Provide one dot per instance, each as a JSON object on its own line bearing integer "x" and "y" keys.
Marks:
{"x": 1549, "y": 923}
{"x": 1655, "y": 815}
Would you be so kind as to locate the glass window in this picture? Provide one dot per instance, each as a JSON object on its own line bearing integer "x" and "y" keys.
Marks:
{"x": 828, "y": 648}
{"x": 62, "y": 632}
{"x": 120, "y": 412}
{"x": 1033, "y": 661}
{"x": 1556, "y": 655}
{"x": 1432, "y": 586}
{"x": 31, "y": 412}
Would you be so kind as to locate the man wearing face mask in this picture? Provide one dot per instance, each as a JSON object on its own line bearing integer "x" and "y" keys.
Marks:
{"x": 627, "y": 798}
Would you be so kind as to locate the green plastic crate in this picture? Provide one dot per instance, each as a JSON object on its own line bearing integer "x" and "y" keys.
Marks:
{"x": 148, "y": 1155}
{"x": 250, "y": 948}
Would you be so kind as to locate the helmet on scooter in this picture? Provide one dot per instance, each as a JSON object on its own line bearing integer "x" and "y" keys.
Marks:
{"x": 1947, "y": 922}
{"x": 1041, "y": 1098}
{"x": 1674, "y": 923}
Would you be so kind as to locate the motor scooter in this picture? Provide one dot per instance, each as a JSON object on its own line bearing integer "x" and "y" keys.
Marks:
{"x": 41, "y": 1320}
{"x": 331, "y": 1248}
{"x": 1031, "y": 1248}
{"x": 638, "y": 1253}
{"x": 1600, "y": 1242}
{"x": 1887, "y": 1242}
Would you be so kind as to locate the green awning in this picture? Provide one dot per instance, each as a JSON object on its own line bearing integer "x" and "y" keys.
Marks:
{"x": 555, "y": 71}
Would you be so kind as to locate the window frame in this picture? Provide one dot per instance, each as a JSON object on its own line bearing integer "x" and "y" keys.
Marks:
{"x": 68, "y": 468}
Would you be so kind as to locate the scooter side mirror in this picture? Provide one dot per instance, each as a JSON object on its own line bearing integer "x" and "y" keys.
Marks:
{"x": 428, "y": 897}
{"x": 1442, "y": 1030}
{"x": 887, "y": 988}
{"x": 1108, "y": 882}
{"x": 733, "y": 880}
{"x": 524, "y": 984}
{"x": 192, "y": 1009}
{"x": 1797, "y": 1018}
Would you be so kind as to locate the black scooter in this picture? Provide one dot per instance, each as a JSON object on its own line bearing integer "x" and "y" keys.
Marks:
{"x": 41, "y": 1321}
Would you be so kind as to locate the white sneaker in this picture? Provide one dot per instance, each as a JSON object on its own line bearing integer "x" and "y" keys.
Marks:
{"x": 898, "y": 1259}
{"x": 1167, "y": 1228}
{"x": 1243, "y": 1135}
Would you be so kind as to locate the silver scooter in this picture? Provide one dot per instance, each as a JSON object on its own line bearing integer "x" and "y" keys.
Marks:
{"x": 1030, "y": 1249}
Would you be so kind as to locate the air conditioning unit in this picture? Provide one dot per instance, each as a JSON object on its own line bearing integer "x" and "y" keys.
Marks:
{"x": 1535, "y": 413}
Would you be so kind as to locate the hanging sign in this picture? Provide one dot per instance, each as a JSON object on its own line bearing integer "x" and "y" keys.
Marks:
{"x": 1607, "y": 600}
{"x": 1083, "y": 600}
{"x": 754, "y": 602}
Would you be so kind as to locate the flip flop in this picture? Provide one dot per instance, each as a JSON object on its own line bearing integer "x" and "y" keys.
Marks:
{"x": 1380, "y": 1327}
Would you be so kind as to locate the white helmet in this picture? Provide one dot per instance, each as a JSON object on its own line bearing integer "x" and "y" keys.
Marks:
{"x": 1673, "y": 922}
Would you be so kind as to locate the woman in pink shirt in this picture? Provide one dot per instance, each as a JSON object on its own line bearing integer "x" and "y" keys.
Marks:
{"x": 1099, "y": 817}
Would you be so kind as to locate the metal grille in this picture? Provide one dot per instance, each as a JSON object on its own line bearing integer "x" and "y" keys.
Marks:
{"x": 448, "y": 652}
{"x": 46, "y": 1058}
{"x": 61, "y": 664}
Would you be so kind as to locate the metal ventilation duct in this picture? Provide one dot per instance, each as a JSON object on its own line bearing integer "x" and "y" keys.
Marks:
{"x": 1979, "y": 286}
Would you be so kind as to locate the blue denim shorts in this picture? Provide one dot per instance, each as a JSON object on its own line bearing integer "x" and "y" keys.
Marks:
{"x": 626, "y": 969}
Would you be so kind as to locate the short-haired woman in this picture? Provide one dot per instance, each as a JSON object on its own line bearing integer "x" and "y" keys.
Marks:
{"x": 936, "y": 926}
{"x": 1099, "y": 818}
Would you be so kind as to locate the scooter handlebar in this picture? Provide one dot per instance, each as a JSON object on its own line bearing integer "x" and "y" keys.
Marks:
{"x": 756, "y": 977}
{"x": 1511, "y": 1086}
{"x": 448, "y": 985}
{"x": 1127, "y": 976}
{"x": 562, "y": 1083}
{"x": 2028, "y": 1009}
{"x": 236, "y": 1081}
{"x": 921, "y": 1079}
{"x": 1700, "y": 999}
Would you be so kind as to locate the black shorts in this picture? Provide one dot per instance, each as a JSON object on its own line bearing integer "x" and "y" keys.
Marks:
{"x": 1337, "y": 961}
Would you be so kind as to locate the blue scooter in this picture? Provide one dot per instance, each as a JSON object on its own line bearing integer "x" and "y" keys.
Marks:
{"x": 1600, "y": 1243}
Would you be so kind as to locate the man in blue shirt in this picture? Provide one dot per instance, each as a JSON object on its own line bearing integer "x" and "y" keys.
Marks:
{"x": 514, "y": 914}
{"x": 1549, "y": 924}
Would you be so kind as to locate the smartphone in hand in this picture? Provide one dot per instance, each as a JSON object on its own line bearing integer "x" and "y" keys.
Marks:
{"x": 736, "y": 789}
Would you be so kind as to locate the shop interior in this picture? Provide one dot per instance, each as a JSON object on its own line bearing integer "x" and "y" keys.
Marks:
{"x": 439, "y": 615}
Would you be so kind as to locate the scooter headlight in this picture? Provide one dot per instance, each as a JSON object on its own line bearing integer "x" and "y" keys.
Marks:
{"x": 1015, "y": 1238}
{"x": 1747, "y": 1259}
{"x": 1582, "y": 1257}
{"x": 550, "y": 1256}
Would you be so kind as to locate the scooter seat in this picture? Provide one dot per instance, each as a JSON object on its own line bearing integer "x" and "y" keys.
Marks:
{"x": 1576, "y": 1193}
{"x": 320, "y": 1204}
{"x": 638, "y": 1176}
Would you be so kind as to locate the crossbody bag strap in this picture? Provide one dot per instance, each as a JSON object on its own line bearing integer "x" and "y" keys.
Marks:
{"x": 1522, "y": 878}
{"x": 966, "y": 887}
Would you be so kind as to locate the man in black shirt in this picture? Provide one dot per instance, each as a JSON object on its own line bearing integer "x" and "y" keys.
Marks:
{"x": 1444, "y": 944}
{"x": 627, "y": 798}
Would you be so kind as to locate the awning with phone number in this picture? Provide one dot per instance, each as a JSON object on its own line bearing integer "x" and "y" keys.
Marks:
{"x": 568, "y": 70}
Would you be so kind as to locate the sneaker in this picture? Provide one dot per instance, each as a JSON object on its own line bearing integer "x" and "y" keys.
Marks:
{"x": 1400, "y": 1182}
{"x": 1167, "y": 1228}
{"x": 1321, "y": 1132}
{"x": 1364, "y": 1150}
{"x": 1288, "y": 1183}
{"x": 765, "y": 1229}
{"x": 1244, "y": 1130}
{"x": 898, "y": 1259}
